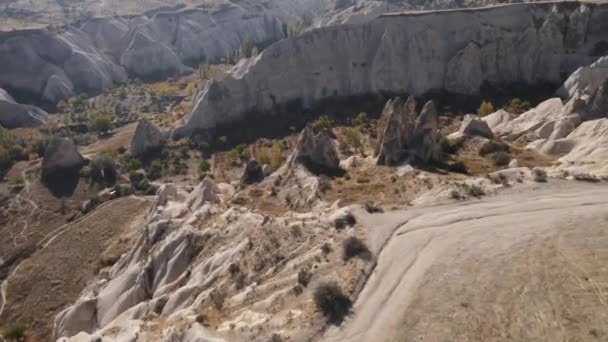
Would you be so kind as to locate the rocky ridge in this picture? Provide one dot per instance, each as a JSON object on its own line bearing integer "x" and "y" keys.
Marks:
{"x": 456, "y": 51}
{"x": 47, "y": 65}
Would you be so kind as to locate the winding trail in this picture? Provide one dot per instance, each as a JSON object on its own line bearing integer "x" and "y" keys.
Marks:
{"x": 464, "y": 237}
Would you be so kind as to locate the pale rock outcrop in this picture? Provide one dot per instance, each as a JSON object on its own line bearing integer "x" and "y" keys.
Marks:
{"x": 497, "y": 118}
{"x": 13, "y": 114}
{"x": 424, "y": 137}
{"x": 585, "y": 80}
{"x": 551, "y": 119}
{"x": 473, "y": 125}
{"x": 588, "y": 148}
{"x": 405, "y": 53}
{"x": 395, "y": 130}
{"x": 146, "y": 139}
{"x": 316, "y": 151}
{"x": 61, "y": 159}
{"x": 206, "y": 192}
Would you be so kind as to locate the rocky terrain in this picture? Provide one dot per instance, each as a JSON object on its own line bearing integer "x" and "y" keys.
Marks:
{"x": 424, "y": 175}
{"x": 457, "y": 51}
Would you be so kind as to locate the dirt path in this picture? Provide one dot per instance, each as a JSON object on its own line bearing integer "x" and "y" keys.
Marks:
{"x": 454, "y": 270}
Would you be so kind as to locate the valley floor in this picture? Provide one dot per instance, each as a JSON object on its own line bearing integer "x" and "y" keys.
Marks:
{"x": 522, "y": 266}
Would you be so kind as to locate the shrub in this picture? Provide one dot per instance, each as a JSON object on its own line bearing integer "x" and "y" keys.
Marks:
{"x": 353, "y": 138}
{"x": 133, "y": 164}
{"x": 276, "y": 159}
{"x": 14, "y": 332}
{"x": 354, "y": 247}
{"x": 485, "y": 108}
{"x": 101, "y": 122}
{"x": 321, "y": 123}
{"x": 103, "y": 169}
{"x": 515, "y": 102}
{"x": 136, "y": 177}
{"x": 361, "y": 119}
{"x": 501, "y": 158}
{"x": 342, "y": 222}
{"x": 155, "y": 171}
{"x": 304, "y": 277}
{"x": 334, "y": 305}
{"x": 203, "y": 167}
{"x": 272, "y": 157}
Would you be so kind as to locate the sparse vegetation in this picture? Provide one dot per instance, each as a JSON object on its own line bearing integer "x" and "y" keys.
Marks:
{"x": 101, "y": 123}
{"x": 14, "y": 333}
{"x": 203, "y": 167}
{"x": 485, "y": 108}
{"x": 272, "y": 156}
{"x": 353, "y": 138}
{"x": 321, "y": 123}
{"x": 334, "y": 304}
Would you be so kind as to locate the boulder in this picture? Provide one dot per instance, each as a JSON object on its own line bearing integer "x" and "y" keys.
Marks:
{"x": 61, "y": 161}
{"x": 473, "y": 125}
{"x": 599, "y": 101}
{"x": 316, "y": 151}
{"x": 424, "y": 138}
{"x": 146, "y": 139}
{"x": 205, "y": 192}
{"x": 61, "y": 167}
{"x": 13, "y": 114}
{"x": 585, "y": 80}
{"x": 253, "y": 172}
{"x": 396, "y": 125}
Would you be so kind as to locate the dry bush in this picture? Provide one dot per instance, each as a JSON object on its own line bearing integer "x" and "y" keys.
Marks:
{"x": 334, "y": 304}
{"x": 354, "y": 247}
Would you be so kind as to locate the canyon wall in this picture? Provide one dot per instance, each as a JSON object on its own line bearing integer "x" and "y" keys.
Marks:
{"x": 454, "y": 51}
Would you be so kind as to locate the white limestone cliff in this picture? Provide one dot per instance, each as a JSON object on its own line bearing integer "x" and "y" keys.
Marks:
{"x": 408, "y": 53}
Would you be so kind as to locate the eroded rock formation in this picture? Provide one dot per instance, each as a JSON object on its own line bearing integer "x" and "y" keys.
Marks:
{"x": 395, "y": 129}
{"x": 48, "y": 66}
{"x": 316, "y": 151}
{"x": 408, "y": 53}
{"x": 61, "y": 161}
{"x": 13, "y": 114}
{"x": 146, "y": 139}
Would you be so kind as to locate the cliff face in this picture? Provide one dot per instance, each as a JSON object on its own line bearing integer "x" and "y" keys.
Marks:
{"x": 49, "y": 66}
{"x": 412, "y": 53}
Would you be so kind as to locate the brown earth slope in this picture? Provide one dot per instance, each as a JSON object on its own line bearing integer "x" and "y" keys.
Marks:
{"x": 54, "y": 276}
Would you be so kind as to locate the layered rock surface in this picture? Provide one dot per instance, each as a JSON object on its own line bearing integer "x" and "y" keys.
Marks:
{"x": 413, "y": 53}
{"x": 13, "y": 114}
{"x": 49, "y": 65}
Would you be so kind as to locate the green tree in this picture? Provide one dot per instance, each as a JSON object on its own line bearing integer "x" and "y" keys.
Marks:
{"x": 101, "y": 123}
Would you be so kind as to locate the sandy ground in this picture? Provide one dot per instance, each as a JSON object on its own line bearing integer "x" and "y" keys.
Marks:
{"x": 521, "y": 266}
